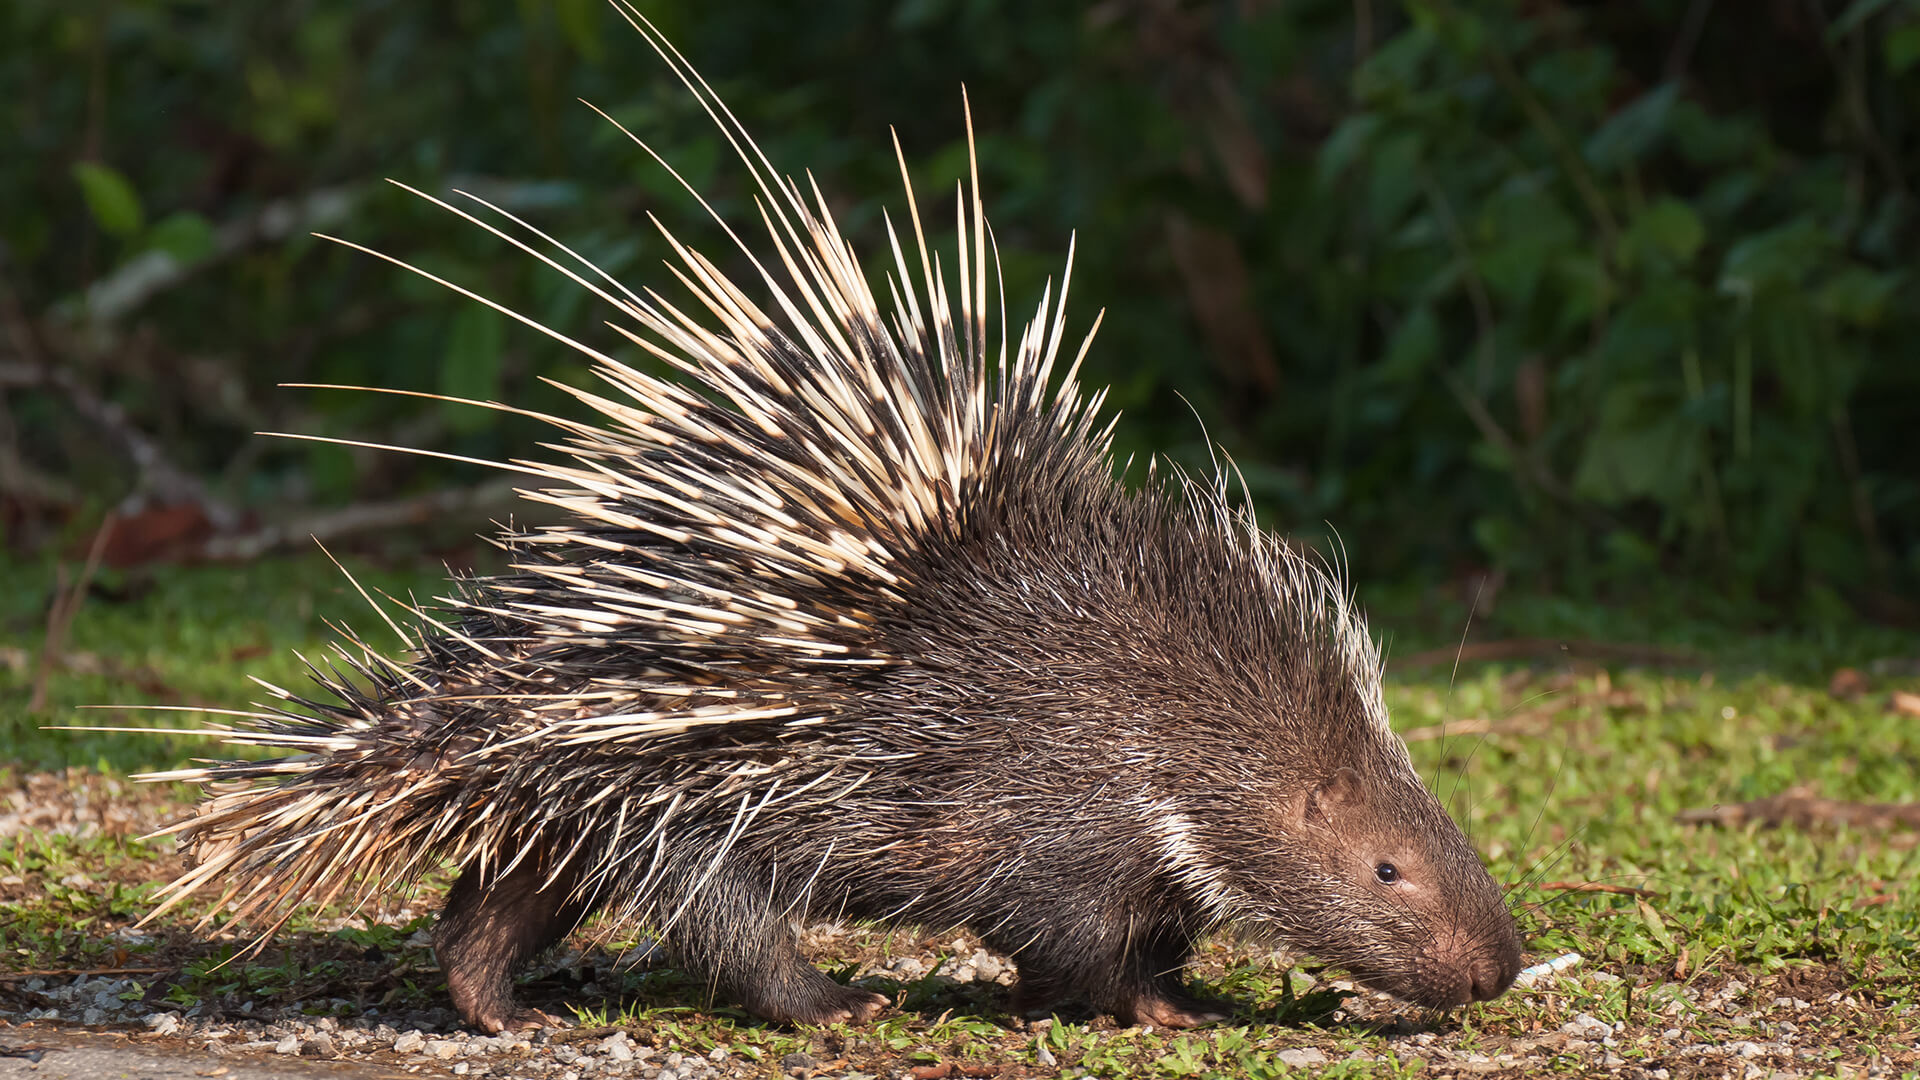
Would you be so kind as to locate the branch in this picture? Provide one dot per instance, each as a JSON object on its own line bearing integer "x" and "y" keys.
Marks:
{"x": 360, "y": 518}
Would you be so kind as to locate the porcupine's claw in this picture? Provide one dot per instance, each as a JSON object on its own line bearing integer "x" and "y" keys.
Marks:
{"x": 829, "y": 1004}
{"x": 521, "y": 1020}
{"x": 1173, "y": 1010}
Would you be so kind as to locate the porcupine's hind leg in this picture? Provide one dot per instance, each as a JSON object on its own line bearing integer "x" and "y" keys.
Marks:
{"x": 1124, "y": 969}
{"x": 730, "y": 934}
{"x": 491, "y": 925}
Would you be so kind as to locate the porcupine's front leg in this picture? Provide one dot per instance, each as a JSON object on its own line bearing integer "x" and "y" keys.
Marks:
{"x": 1121, "y": 970}
{"x": 1149, "y": 988}
{"x": 730, "y": 935}
{"x": 491, "y": 925}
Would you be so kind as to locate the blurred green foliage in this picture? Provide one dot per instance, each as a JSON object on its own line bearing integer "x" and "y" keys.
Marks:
{"x": 1605, "y": 299}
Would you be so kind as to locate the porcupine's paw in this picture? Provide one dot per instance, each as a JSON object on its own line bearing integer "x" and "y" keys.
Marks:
{"x": 1165, "y": 1008}
{"x": 519, "y": 1020}
{"x": 816, "y": 1000}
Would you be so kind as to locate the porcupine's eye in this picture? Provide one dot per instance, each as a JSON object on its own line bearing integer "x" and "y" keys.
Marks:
{"x": 1387, "y": 873}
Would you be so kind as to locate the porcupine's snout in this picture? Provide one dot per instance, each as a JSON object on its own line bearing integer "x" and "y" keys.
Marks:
{"x": 1464, "y": 967}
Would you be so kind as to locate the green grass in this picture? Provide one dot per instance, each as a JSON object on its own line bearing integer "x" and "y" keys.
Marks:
{"x": 175, "y": 636}
{"x": 1563, "y": 774}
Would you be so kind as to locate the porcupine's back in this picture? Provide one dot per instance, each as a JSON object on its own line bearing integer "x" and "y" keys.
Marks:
{"x": 855, "y": 608}
{"x": 716, "y": 598}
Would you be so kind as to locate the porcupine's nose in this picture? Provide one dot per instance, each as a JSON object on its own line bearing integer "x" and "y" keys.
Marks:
{"x": 1494, "y": 968}
{"x": 1488, "y": 978}
{"x": 1465, "y": 969}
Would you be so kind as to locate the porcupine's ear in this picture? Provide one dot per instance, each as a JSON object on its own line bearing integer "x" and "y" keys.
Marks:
{"x": 1333, "y": 797}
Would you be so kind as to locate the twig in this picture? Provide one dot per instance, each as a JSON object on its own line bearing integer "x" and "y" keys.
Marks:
{"x": 1481, "y": 725}
{"x": 68, "y": 973}
{"x": 117, "y": 295}
{"x": 1543, "y": 122}
{"x": 113, "y": 297}
{"x": 158, "y": 474}
{"x": 1801, "y": 808}
{"x": 66, "y": 603}
{"x": 1688, "y": 39}
{"x": 1853, "y": 93}
{"x": 1527, "y": 465}
{"x": 1594, "y": 886}
{"x": 363, "y": 517}
{"x": 1476, "y": 286}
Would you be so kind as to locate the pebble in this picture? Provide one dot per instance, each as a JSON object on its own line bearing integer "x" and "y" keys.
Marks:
{"x": 1301, "y": 1057}
{"x": 163, "y": 1023}
{"x": 409, "y": 1043}
{"x": 288, "y": 1045}
{"x": 1586, "y": 1026}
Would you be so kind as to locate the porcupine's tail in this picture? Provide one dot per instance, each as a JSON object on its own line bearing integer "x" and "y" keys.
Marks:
{"x": 748, "y": 518}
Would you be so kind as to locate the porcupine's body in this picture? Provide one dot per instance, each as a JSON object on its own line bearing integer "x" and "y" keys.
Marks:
{"x": 859, "y": 623}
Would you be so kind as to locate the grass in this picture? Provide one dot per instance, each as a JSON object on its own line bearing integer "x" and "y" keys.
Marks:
{"x": 1562, "y": 774}
{"x": 183, "y": 636}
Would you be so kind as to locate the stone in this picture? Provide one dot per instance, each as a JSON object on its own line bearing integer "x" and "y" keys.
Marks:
{"x": 163, "y": 1023}
{"x": 1587, "y": 1026}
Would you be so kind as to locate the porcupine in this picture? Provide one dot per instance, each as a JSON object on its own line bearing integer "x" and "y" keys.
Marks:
{"x": 854, "y": 619}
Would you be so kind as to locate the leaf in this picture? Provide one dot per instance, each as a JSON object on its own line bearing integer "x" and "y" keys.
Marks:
{"x": 1901, "y": 49}
{"x": 1631, "y": 132}
{"x": 1347, "y": 143}
{"x": 1414, "y": 345}
{"x": 580, "y": 19}
{"x": 470, "y": 366}
{"x": 1781, "y": 257}
{"x": 1641, "y": 448}
{"x": 1858, "y": 296}
{"x": 1655, "y": 924}
{"x": 1394, "y": 179}
{"x": 1584, "y": 287}
{"x": 1668, "y": 228}
{"x": 110, "y": 198}
{"x": 184, "y": 235}
{"x": 1524, "y": 232}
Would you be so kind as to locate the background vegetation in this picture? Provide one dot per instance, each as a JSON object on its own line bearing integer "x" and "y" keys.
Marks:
{"x": 1601, "y": 301}
{"x": 1589, "y": 317}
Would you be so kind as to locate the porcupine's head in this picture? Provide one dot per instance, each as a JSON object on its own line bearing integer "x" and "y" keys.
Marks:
{"x": 1299, "y": 812}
